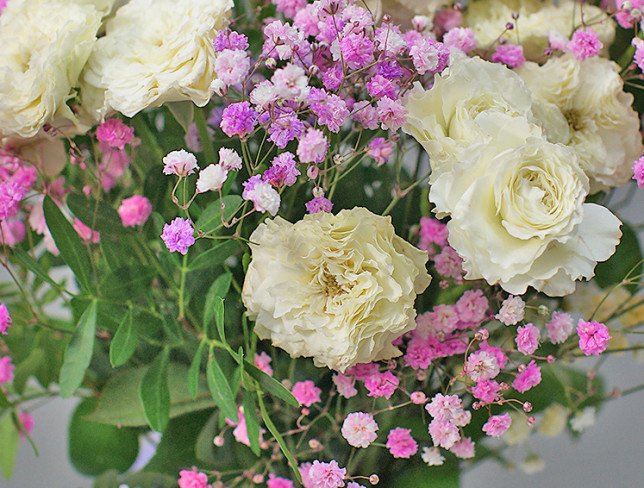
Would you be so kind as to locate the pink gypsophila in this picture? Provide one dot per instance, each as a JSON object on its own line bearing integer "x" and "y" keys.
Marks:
{"x": 481, "y": 365}
{"x": 135, "y": 210}
{"x": 114, "y": 133}
{"x": 527, "y": 378}
{"x": 306, "y": 393}
{"x": 463, "y": 449}
{"x": 312, "y": 147}
{"x": 359, "y": 429}
{"x": 593, "y": 337}
{"x": 449, "y": 264}
{"x": 87, "y": 234}
{"x": 560, "y": 327}
{"x": 380, "y": 149}
{"x": 527, "y": 339}
{"x": 401, "y": 444}
{"x": 319, "y": 204}
{"x": 240, "y": 432}
{"x": 278, "y": 482}
{"x": 472, "y": 308}
{"x": 345, "y": 385}
{"x": 461, "y": 38}
{"x": 192, "y": 479}
{"x": 381, "y": 384}
{"x": 432, "y": 231}
{"x": 497, "y": 425}
{"x": 509, "y": 54}
{"x": 28, "y": 423}
{"x": 238, "y": 119}
{"x": 5, "y": 319}
{"x": 391, "y": 113}
{"x": 178, "y": 235}
{"x": 584, "y": 44}
{"x": 263, "y": 362}
{"x": 6, "y": 370}
{"x": 487, "y": 391}
{"x": 326, "y": 475}
{"x": 180, "y": 163}
{"x": 638, "y": 166}
{"x": 444, "y": 433}
{"x": 12, "y": 232}
{"x": 512, "y": 311}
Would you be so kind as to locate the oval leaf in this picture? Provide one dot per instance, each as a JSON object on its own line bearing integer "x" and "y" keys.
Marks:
{"x": 193, "y": 372}
{"x": 214, "y": 257}
{"x": 220, "y": 389}
{"x": 155, "y": 394}
{"x": 79, "y": 352}
{"x": 124, "y": 342}
{"x": 218, "y": 289}
{"x": 271, "y": 385}
{"x": 69, "y": 244}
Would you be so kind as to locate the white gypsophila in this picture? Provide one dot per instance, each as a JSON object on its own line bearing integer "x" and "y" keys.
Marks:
{"x": 211, "y": 178}
{"x": 154, "y": 52}
{"x": 583, "y": 419}
{"x": 432, "y": 456}
{"x": 45, "y": 44}
{"x": 336, "y": 288}
{"x": 538, "y": 19}
{"x": 603, "y": 128}
{"x": 518, "y": 216}
{"x": 467, "y": 104}
{"x": 266, "y": 198}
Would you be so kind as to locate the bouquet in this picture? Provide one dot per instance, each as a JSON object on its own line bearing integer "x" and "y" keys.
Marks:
{"x": 323, "y": 244}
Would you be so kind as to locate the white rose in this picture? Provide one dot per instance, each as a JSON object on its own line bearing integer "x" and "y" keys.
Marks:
{"x": 537, "y": 20}
{"x": 45, "y": 44}
{"x": 337, "y": 288}
{"x": 603, "y": 127}
{"x": 154, "y": 52}
{"x": 518, "y": 216}
{"x": 467, "y": 104}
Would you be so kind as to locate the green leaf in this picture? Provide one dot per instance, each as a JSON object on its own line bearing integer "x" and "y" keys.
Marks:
{"x": 252, "y": 423}
{"x": 4, "y": 401}
{"x": 95, "y": 448}
{"x": 219, "y": 319}
{"x": 627, "y": 257}
{"x": 210, "y": 219}
{"x": 214, "y": 257}
{"x": 119, "y": 402}
{"x": 218, "y": 289}
{"x": 420, "y": 476}
{"x": 183, "y": 113}
{"x": 220, "y": 389}
{"x": 155, "y": 394}
{"x": 32, "y": 265}
{"x": 69, "y": 244}
{"x": 9, "y": 442}
{"x": 280, "y": 440}
{"x": 79, "y": 352}
{"x": 195, "y": 369}
{"x": 127, "y": 282}
{"x": 97, "y": 215}
{"x": 28, "y": 367}
{"x": 124, "y": 341}
{"x": 271, "y": 385}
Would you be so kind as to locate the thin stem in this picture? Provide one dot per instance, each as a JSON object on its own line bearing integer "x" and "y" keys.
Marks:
{"x": 182, "y": 288}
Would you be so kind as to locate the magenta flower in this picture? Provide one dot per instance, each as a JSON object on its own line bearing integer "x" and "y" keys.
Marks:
{"x": 134, "y": 210}
{"x": 593, "y": 337}
{"x": 238, "y": 119}
{"x": 638, "y": 169}
{"x": 509, "y": 54}
{"x": 6, "y": 370}
{"x": 381, "y": 384}
{"x": 529, "y": 376}
{"x": 326, "y": 475}
{"x": 306, "y": 393}
{"x": 497, "y": 425}
{"x": 527, "y": 339}
{"x": 401, "y": 444}
{"x": 114, "y": 133}
{"x": 192, "y": 479}
{"x": 5, "y": 319}
{"x": 584, "y": 44}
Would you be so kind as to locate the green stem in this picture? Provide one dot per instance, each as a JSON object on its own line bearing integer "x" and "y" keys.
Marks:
{"x": 182, "y": 288}
{"x": 204, "y": 137}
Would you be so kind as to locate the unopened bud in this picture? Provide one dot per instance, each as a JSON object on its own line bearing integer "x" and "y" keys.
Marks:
{"x": 527, "y": 407}
{"x": 374, "y": 479}
{"x": 218, "y": 441}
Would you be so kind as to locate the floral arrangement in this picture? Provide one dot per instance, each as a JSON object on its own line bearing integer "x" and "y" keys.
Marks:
{"x": 328, "y": 244}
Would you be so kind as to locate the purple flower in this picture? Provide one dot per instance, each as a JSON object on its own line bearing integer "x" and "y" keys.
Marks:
{"x": 283, "y": 171}
{"x": 238, "y": 119}
{"x": 227, "y": 39}
{"x": 331, "y": 110}
{"x": 509, "y": 54}
{"x": 319, "y": 204}
{"x": 356, "y": 49}
{"x": 284, "y": 127}
{"x": 178, "y": 235}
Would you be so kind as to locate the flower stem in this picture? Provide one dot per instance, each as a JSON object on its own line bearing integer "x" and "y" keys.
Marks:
{"x": 182, "y": 288}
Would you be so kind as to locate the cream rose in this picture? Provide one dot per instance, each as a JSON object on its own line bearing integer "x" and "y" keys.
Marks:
{"x": 337, "y": 288}
{"x": 518, "y": 216}
{"x": 45, "y": 44}
{"x": 468, "y": 104}
{"x": 402, "y": 11}
{"x": 537, "y": 20}
{"x": 603, "y": 128}
{"x": 154, "y": 52}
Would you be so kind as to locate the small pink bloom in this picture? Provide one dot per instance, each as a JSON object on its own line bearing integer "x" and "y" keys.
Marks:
{"x": 326, "y": 475}
{"x": 638, "y": 166}
{"x": 497, "y": 352}
{"x": 134, "y": 211}
{"x": 345, "y": 385}
{"x": 418, "y": 398}
{"x": 381, "y": 384}
{"x": 28, "y": 423}
{"x": 362, "y": 371}
{"x": 178, "y": 235}
{"x": 449, "y": 264}
{"x": 560, "y": 327}
{"x": 306, "y": 393}
{"x": 114, "y": 133}
{"x": 432, "y": 231}
{"x": 6, "y": 370}
{"x": 278, "y": 482}
{"x": 229, "y": 159}
{"x": 12, "y": 232}
{"x": 263, "y": 362}
{"x": 528, "y": 377}
{"x": 481, "y": 365}
{"x": 380, "y": 149}
{"x": 463, "y": 449}
{"x": 240, "y": 432}
{"x": 497, "y": 425}
{"x": 5, "y": 319}
{"x": 312, "y": 147}
{"x": 593, "y": 337}
{"x": 444, "y": 433}
{"x": 527, "y": 339}
{"x": 445, "y": 407}
{"x": 391, "y": 114}
{"x": 461, "y": 38}
{"x": 180, "y": 163}
{"x": 401, "y": 444}
{"x": 487, "y": 391}
{"x": 359, "y": 429}
{"x": 509, "y": 54}
{"x": 584, "y": 44}
{"x": 472, "y": 308}
{"x": 512, "y": 311}
{"x": 192, "y": 479}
